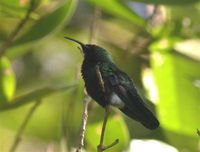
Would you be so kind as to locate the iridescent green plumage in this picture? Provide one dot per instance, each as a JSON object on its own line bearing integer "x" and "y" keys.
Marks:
{"x": 119, "y": 88}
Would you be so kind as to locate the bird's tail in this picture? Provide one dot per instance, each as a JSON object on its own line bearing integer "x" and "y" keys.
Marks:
{"x": 141, "y": 114}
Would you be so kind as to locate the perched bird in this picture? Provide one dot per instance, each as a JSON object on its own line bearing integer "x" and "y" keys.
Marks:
{"x": 108, "y": 85}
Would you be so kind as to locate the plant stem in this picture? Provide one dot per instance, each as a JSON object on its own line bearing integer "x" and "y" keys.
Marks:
{"x": 93, "y": 27}
{"x": 101, "y": 147}
{"x": 86, "y": 101}
{"x": 64, "y": 146}
{"x": 22, "y": 127}
{"x": 103, "y": 129}
{"x": 17, "y": 29}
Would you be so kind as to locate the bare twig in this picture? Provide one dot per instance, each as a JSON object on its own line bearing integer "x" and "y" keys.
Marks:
{"x": 23, "y": 126}
{"x": 93, "y": 27}
{"x": 86, "y": 101}
{"x": 139, "y": 43}
{"x": 111, "y": 145}
{"x": 18, "y": 28}
{"x": 64, "y": 145}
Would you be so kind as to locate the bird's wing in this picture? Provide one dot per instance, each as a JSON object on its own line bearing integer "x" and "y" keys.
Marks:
{"x": 120, "y": 83}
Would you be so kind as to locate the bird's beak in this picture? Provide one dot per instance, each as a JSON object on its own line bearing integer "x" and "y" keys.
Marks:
{"x": 80, "y": 43}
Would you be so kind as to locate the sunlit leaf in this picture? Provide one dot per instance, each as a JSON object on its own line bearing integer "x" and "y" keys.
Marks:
{"x": 189, "y": 48}
{"x": 48, "y": 24}
{"x": 177, "y": 79}
{"x": 191, "y": 143}
{"x": 33, "y": 96}
{"x": 119, "y": 10}
{"x": 7, "y": 80}
{"x": 116, "y": 129}
{"x": 163, "y": 45}
{"x": 168, "y": 2}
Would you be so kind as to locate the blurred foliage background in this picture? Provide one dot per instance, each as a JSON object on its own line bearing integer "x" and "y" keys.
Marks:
{"x": 155, "y": 41}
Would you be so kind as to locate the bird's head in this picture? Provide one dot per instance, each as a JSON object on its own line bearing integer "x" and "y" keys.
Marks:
{"x": 93, "y": 52}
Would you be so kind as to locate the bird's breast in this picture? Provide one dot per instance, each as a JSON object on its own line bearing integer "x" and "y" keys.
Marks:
{"x": 92, "y": 84}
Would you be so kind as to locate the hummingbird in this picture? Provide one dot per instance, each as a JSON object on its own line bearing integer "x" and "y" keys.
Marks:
{"x": 108, "y": 85}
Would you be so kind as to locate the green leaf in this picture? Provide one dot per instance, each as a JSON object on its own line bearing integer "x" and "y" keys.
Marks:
{"x": 178, "y": 91}
{"x": 120, "y": 10}
{"x": 116, "y": 129}
{"x": 11, "y": 8}
{"x": 33, "y": 96}
{"x": 164, "y": 44}
{"x": 167, "y": 2}
{"x": 189, "y": 48}
{"x": 7, "y": 80}
{"x": 11, "y": 3}
{"x": 48, "y": 24}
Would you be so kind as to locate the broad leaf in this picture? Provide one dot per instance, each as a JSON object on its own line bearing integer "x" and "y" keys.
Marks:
{"x": 177, "y": 78}
{"x": 7, "y": 81}
{"x": 48, "y": 24}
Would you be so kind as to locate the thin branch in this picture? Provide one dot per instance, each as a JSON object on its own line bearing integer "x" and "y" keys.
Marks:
{"x": 87, "y": 99}
{"x": 14, "y": 33}
{"x": 86, "y": 102}
{"x": 101, "y": 147}
{"x": 93, "y": 27}
{"x": 110, "y": 146}
{"x": 64, "y": 145}
{"x": 104, "y": 126}
{"x": 23, "y": 126}
{"x": 140, "y": 41}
